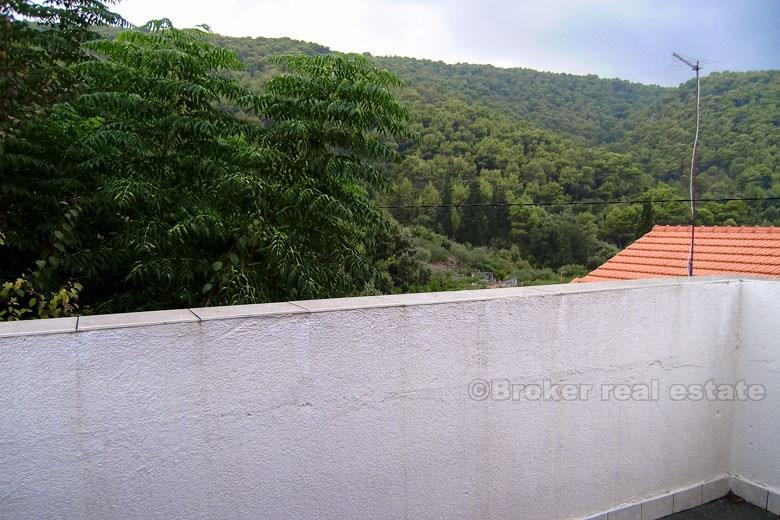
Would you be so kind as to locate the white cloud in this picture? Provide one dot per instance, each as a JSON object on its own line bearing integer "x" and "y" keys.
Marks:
{"x": 631, "y": 39}
{"x": 383, "y": 27}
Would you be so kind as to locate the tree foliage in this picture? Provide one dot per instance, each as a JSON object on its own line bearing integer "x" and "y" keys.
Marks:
{"x": 21, "y": 300}
{"x": 152, "y": 196}
{"x": 491, "y": 136}
{"x": 38, "y": 40}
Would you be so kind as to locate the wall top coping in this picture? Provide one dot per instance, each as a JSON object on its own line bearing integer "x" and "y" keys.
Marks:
{"x": 266, "y": 310}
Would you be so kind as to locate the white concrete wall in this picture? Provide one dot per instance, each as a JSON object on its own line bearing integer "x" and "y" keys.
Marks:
{"x": 359, "y": 408}
{"x": 756, "y": 431}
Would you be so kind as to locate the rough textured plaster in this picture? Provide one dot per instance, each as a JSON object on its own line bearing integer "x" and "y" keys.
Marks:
{"x": 756, "y": 427}
{"x": 363, "y": 413}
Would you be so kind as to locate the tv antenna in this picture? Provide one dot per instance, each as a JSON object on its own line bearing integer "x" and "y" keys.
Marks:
{"x": 696, "y": 68}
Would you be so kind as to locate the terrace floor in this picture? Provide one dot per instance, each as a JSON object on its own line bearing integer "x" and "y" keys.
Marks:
{"x": 724, "y": 509}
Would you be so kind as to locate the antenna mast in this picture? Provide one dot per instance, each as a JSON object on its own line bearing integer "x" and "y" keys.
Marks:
{"x": 696, "y": 68}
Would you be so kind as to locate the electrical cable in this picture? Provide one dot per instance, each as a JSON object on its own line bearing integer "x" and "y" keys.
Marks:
{"x": 577, "y": 203}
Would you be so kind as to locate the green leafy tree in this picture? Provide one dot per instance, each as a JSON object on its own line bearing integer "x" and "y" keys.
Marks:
{"x": 621, "y": 224}
{"x": 21, "y": 300}
{"x": 395, "y": 256}
{"x": 476, "y": 224}
{"x": 566, "y": 238}
{"x": 646, "y": 219}
{"x": 38, "y": 42}
{"x": 179, "y": 202}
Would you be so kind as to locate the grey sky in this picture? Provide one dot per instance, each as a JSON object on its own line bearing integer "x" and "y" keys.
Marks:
{"x": 630, "y": 39}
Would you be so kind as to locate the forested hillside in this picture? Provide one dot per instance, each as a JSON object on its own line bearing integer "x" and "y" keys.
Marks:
{"x": 592, "y": 110}
{"x": 588, "y": 108}
{"x": 740, "y": 133}
{"x": 492, "y": 136}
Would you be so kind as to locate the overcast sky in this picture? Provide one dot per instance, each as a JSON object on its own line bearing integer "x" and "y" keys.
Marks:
{"x": 630, "y": 39}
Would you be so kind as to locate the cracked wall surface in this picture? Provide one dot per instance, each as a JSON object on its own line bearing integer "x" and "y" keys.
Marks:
{"x": 756, "y": 428}
{"x": 360, "y": 408}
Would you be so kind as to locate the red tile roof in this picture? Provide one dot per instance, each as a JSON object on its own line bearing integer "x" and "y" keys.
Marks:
{"x": 663, "y": 252}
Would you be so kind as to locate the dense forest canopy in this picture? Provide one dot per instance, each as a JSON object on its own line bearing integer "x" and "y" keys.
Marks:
{"x": 157, "y": 167}
{"x": 740, "y": 114}
{"x": 491, "y": 136}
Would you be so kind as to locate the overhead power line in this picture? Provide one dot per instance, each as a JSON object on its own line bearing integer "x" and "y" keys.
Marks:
{"x": 576, "y": 203}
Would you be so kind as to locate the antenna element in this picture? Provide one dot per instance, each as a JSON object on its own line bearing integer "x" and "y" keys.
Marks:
{"x": 696, "y": 68}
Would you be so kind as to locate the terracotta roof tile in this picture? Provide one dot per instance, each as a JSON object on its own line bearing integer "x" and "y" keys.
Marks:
{"x": 751, "y": 251}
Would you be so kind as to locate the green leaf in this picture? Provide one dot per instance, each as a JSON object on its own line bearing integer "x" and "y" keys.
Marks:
{"x": 216, "y": 265}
